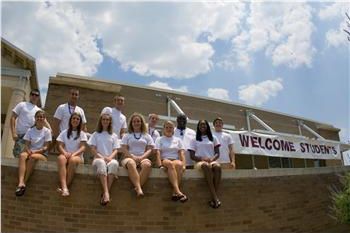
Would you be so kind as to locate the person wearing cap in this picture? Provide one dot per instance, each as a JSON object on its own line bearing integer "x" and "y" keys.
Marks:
{"x": 22, "y": 119}
{"x": 186, "y": 135}
{"x": 118, "y": 118}
{"x": 227, "y": 155}
{"x": 64, "y": 111}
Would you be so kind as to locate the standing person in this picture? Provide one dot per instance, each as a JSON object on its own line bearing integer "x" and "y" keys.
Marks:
{"x": 227, "y": 155}
{"x": 170, "y": 154}
{"x": 71, "y": 145}
{"x": 64, "y": 111}
{"x": 152, "y": 122}
{"x": 186, "y": 135}
{"x": 37, "y": 140}
{"x": 137, "y": 146}
{"x": 104, "y": 144}
{"x": 205, "y": 151}
{"x": 118, "y": 118}
{"x": 22, "y": 119}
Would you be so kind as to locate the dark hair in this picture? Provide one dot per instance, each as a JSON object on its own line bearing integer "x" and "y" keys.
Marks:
{"x": 36, "y": 114}
{"x": 99, "y": 127}
{"x": 70, "y": 127}
{"x": 35, "y": 91}
{"x": 199, "y": 133}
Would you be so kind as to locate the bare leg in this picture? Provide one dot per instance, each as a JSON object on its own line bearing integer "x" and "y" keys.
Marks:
{"x": 217, "y": 176}
{"x": 179, "y": 171}
{"x": 172, "y": 175}
{"x": 110, "y": 179}
{"x": 209, "y": 177}
{"x": 22, "y": 168}
{"x": 104, "y": 184}
{"x": 145, "y": 171}
{"x": 72, "y": 165}
{"x": 31, "y": 164}
{"x": 62, "y": 171}
{"x": 134, "y": 177}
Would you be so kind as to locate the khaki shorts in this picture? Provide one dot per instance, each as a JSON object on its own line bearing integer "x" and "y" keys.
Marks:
{"x": 125, "y": 161}
{"x": 19, "y": 145}
{"x": 198, "y": 165}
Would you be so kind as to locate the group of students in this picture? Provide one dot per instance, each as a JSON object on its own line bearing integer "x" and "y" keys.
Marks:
{"x": 116, "y": 143}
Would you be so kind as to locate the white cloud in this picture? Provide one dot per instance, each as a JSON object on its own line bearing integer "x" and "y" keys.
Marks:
{"x": 53, "y": 33}
{"x": 258, "y": 94}
{"x": 164, "y": 39}
{"x": 282, "y": 30}
{"x": 336, "y": 11}
{"x": 164, "y": 85}
{"x": 218, "y": 93}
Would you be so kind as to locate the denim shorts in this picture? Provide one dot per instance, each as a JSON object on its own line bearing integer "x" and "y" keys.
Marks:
{"x": 19, "y": 146}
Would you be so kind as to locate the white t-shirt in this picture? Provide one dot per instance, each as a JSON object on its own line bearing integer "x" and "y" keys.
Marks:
{"x": 204, "y": 148}
{"x": 154, "y": 133}
{"x": 25, "y": 112}
{"x": 118, "y": 119}
{"x": 137, "y": 146}
{"x": 187, "y": 136}
{"x": 225, "y": 140}
{"x": 37, "y": 137}
{"x": 104, "y": 142}
{"x": 63, "y": 113}
{"x": 169, "y": 147}
{"x": 70, "y": 144}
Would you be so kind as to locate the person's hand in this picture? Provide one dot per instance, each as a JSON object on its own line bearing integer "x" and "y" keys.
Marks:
{"x": 233, "y": 165}
{"x": 14, "y": 136}
{"x": 107, "y": 159}
{"x": 68, "y": 155}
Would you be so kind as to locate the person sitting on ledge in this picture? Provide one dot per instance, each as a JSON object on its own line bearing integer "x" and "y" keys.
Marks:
{"x": 37, "y": 140}
{"x": 104, "y": 144}
{"x": 71, "y": 144}
{"x": 137, "y": 146}
{"x": 171, "y": 156}
{"x": 204, "y": 150}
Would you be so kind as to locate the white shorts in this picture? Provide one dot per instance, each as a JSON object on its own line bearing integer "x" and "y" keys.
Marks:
{"x": 101, "y": 168}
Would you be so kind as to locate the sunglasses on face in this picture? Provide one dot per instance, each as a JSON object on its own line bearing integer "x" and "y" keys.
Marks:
{"x": 34, "y": 94}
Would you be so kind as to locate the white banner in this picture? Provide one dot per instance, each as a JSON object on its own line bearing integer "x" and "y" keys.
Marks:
{"x": 283, "y": 146}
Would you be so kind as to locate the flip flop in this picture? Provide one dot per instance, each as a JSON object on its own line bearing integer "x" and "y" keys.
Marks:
{"x": 20, "y": 191}
{"x": 175, "y": 197}
{"x": 183, "y": 198}
{"x": 212, "y": 204}
{"x": 217, "y": 204}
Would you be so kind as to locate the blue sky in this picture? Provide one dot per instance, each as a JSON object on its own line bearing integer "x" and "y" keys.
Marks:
{"x": 286, "y": 57}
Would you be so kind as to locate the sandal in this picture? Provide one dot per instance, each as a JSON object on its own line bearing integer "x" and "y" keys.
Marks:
{"x": 217, "y": 204}
{"x": 65, "y": 193}
{"x": 175, "y": 197}
{"x": 20, "y": 191}
{"x": 212, "y": 204}
{"x": 183, "y": 198}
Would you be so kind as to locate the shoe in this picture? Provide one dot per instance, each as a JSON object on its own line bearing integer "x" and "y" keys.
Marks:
{"x": 20, "y": 191}
{"x": 65, "y": 193}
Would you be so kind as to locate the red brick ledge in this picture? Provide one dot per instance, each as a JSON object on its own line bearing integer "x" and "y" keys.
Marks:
{"x": 191, "y": 173}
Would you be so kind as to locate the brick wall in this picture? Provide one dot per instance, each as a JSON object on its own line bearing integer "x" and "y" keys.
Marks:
{"x": 298, "y": 203}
